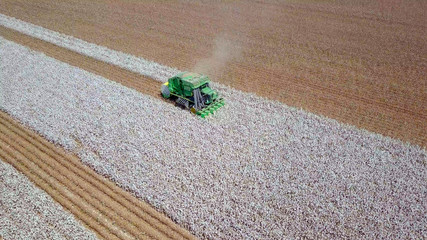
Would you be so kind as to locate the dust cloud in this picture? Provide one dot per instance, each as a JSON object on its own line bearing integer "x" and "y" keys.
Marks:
{"x": 232, "y": 41}
{"x": 224, "y": 51}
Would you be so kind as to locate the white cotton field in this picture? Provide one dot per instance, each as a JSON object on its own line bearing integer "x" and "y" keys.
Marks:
{"x": 256, "y": 170}
{"x": 26, "y": 212}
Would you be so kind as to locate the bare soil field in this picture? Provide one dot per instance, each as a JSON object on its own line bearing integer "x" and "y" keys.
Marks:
{"x": 360, "y": 62}
{"x": 108, "y": 210}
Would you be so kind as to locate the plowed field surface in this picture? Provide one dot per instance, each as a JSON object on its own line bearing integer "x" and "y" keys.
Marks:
{"x": 358, "y": 62}
{"x": 102, "y": 206}
{"x": 27, "y": 212}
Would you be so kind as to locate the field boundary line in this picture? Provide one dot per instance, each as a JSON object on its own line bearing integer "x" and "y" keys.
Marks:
{"x": 145, "y": 212}
{"x": 60, "y": 173}
{"x": 127, "y": 61}
{"x": 161, "y": 73}
{"x": 28, "y": 160}
{"x": 140, "y": 65}
{"x": 15, "y": 159}
{"x": 133, "y": 80}
{"x": 75, "y": 169}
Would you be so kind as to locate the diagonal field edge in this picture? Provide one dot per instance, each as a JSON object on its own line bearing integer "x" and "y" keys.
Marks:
{"x": 108, "y": 187}
{"x": 15, "y": 155}
{"x": 132, "y": 63}
{"x": 257, "y": 169}
{"x": 123, "y": 60}
{"x": 87, "y": 193}
{"x": 38, "y": 214}
{"x": 15, "y": 160}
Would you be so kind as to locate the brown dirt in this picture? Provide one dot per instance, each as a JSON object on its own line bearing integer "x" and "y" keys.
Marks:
{"x": 360, "y": 62}
{"x": 114, "y": 73}
{"x": 105, "y": 208}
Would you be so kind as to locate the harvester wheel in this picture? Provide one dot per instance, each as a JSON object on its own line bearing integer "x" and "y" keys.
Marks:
{"x": 165, "y": 91}
{"x": 182, "y": 103}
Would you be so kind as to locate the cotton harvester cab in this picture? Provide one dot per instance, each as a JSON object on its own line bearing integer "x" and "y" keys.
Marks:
{"x": 192, "y": 91}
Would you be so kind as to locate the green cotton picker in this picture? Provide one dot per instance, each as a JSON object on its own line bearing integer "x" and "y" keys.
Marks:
{"x": 191, "y": 91}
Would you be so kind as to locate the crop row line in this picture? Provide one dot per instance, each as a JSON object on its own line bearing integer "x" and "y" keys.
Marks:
{"x": 126, "y": 207}
{"x": 17, "y": 160}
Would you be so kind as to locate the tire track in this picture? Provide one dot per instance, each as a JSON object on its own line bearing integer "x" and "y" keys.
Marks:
{"x": 125, "y": 213}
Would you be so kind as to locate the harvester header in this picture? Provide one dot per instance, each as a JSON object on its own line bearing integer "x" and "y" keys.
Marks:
{"x": 192, "y": 91}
